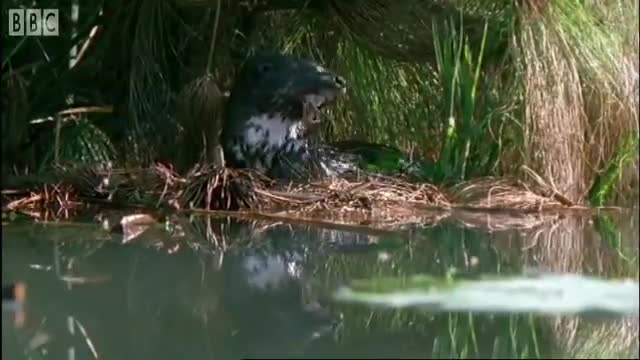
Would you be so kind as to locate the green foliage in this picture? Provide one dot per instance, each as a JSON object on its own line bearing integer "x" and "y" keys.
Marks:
{"x": 80, "y": 142}
{"x": 605, "y": 185}
{"x": 466, "y": 148}
{"x": 611, "y": 232}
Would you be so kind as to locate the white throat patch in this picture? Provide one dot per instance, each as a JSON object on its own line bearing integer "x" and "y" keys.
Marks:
{"x": 269, "y": 134}
{"x": 265, "y": 129}
{"x": 272, "y": 131}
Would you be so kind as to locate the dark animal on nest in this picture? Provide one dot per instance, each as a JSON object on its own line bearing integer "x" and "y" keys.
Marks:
{"x": 273, "y": 117}
{"x": 264, "y": 126}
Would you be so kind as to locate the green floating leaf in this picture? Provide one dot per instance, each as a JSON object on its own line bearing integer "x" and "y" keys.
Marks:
{"x": 544, "y": 293}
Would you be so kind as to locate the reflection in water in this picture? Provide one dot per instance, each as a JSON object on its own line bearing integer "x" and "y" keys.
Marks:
{"x": 222, "y": 288}
{"x": 13, "y": 297}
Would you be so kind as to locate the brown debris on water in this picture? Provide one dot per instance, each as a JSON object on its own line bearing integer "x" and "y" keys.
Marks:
{"x": 61, "y": 196}
{"x": 395, "y": 218}
{"x": 497, "y": 221}
{"x": 506, "y": 193}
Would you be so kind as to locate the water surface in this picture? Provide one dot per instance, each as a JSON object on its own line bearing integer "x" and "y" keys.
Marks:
{"x": 205, "y": 288}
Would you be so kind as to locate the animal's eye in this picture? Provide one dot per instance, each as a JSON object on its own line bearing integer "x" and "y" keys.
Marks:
{"x": 264, "y": 68}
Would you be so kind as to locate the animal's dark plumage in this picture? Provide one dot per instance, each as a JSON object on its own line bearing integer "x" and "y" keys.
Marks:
{"x": 264, "y": 126}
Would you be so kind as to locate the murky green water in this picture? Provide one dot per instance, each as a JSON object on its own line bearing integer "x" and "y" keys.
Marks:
{"x": 227, "y": 289}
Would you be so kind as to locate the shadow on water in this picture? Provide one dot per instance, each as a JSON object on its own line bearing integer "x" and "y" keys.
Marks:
{"x": 223, "y": 288}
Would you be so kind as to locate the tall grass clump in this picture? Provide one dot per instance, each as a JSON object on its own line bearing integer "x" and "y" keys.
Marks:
{"x": 574, "y": 59}
{"x": 473, "y": 139}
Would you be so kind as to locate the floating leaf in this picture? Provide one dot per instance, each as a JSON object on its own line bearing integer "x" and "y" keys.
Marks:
{"x": 545, "y": 293}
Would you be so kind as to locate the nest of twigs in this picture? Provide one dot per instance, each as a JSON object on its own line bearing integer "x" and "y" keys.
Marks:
{"x": 214, "y": 188}
{"x": 203, "y": 187}
{"x": 366, "y": 193}
{"x": 372, "y": 200}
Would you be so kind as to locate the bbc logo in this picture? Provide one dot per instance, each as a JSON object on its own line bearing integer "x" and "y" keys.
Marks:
{"x": 34, "y": 22}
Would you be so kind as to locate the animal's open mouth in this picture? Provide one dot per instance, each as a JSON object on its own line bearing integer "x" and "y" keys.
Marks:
{"x": 320, "y": 100}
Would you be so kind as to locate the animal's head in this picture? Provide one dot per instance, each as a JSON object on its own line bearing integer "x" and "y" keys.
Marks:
{"x": 271, "y": 80}
{"x": 273, "y": 109}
